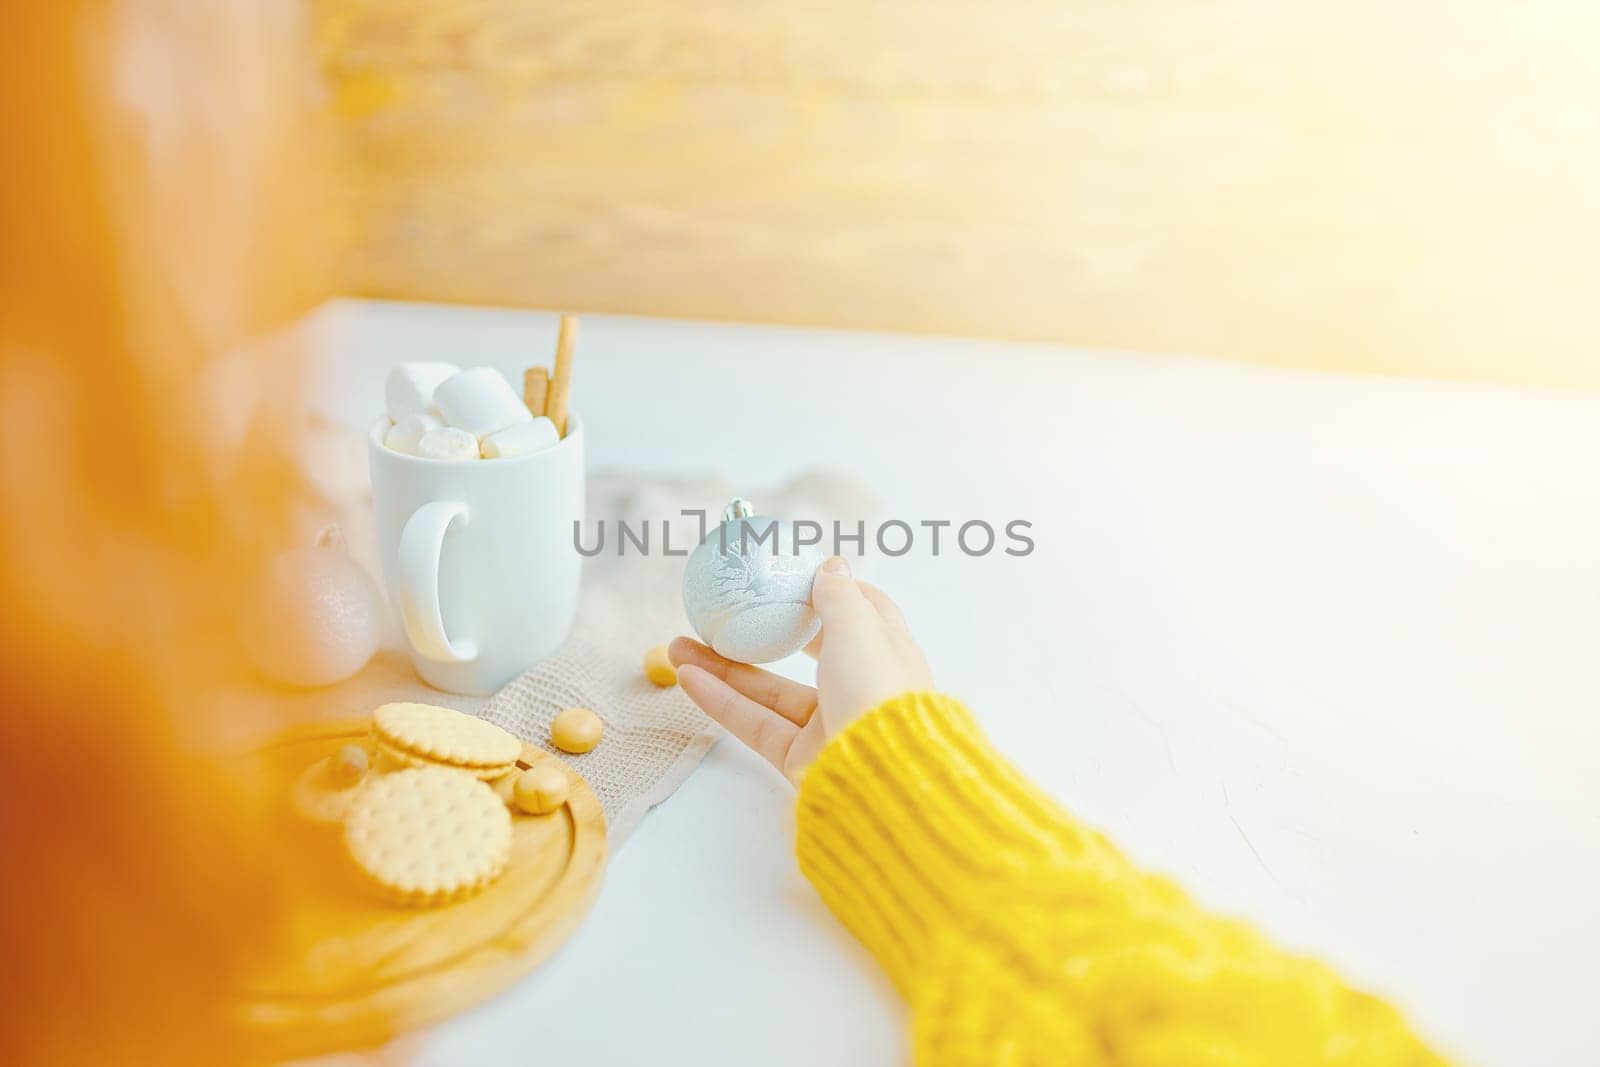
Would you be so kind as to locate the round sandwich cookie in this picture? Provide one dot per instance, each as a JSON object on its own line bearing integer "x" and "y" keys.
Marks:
{"x": 391, "y": 758}
{"x": 429, "y": 835}
{"x": 442, "y": 735}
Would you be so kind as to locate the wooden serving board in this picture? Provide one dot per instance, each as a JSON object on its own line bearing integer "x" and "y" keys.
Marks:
{"x": 354, "y": 971}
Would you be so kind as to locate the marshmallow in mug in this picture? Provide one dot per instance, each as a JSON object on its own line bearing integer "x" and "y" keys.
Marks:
{"x": 480, "y": 401}
{"x": 407, "y": 431}
{"x": 409, "y": 390}
{"x": 520, "y": 439}
{"x": 447, "y": 442}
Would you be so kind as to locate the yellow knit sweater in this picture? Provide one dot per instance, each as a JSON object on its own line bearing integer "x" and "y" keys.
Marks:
{"x": 1020, "y": 937}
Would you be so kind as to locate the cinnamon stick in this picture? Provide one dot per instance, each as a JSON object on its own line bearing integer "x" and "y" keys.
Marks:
{"x": 535, "y": 387}
{"x": 555, "y": 405}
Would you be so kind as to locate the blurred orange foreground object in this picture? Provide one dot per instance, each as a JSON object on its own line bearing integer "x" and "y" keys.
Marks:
{"x": 152, "y": 222}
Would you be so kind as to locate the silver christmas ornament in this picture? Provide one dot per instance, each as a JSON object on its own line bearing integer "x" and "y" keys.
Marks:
{"x": 747, "y": 587}
{"x": 313, "y": 616}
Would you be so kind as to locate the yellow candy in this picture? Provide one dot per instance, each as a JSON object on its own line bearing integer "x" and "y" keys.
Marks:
{"x": 348, "y": 765}
{"x": 658, "y": 668}
{"x": 505, "y": 786}
{"x": 541, "y": 790}
{"x": 576, "y": 730}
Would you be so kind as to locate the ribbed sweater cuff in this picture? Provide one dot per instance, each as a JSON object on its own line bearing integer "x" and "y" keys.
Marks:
{"x": 906, "y": 811}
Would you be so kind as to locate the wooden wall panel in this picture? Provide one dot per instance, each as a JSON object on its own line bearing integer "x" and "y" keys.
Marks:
{"x": 1370, "y": 185}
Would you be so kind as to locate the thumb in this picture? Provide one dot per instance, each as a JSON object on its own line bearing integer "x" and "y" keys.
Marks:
{"x": 837, "y": 598}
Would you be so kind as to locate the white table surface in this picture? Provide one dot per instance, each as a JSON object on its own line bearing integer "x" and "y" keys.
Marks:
{"x": 1325, "y": 648}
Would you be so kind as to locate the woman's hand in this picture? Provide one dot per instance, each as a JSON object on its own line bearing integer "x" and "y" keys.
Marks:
{"x": 865, "y": 655}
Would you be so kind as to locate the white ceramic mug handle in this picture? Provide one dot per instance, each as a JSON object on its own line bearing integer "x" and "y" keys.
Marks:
{"x": 421, "y": 543}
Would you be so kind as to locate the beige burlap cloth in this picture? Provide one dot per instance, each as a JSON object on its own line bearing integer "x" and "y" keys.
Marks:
{"x": 631, "y": 601}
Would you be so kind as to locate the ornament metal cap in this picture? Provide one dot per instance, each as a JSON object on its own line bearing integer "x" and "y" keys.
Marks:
{"x": 738, "y": 508}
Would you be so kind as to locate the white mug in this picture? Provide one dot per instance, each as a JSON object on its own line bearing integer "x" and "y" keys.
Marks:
{"x": 479, "y": 557}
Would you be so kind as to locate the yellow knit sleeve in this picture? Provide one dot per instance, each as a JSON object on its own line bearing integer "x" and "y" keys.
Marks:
{"x": 1019, "y": 937}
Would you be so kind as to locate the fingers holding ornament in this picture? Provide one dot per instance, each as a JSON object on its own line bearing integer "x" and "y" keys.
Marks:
{"x": 793, "y": 700}
{"x": 769, "y": 734}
